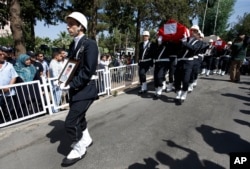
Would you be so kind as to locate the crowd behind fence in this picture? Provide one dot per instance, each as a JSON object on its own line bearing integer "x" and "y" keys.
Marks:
{"x": 33, "y": 99}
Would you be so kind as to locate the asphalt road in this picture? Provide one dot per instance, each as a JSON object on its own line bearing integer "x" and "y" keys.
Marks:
{"x": 134, "y": 132}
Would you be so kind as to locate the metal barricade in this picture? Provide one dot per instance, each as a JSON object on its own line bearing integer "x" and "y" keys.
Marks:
{"x": 22, "y": 101}
{"x": 31, "y": 99}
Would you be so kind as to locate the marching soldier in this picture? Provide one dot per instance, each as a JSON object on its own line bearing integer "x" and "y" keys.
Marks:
{"x": 210, "y": 53}
{"x": 82, "y": 86}
{"x": 225, "y": 59}
{"x": 145, "y": 60}
{"x": 185, "y": 63}
{"x": 198, "y": 57}
{"x": 161, "y": 65}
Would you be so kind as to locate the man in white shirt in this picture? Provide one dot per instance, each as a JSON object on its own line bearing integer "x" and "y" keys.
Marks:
{"x": 8, "y": 76}
{"x": 55, "y": 68}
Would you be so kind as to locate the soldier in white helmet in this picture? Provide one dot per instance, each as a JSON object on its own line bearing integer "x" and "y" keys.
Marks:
{"x": 190, "y": 45}
{"x": 225, "y": 59}
{"x": 145, "y": 60}
{"x": 209, "y": 54}
{"x": 82, "y": 87}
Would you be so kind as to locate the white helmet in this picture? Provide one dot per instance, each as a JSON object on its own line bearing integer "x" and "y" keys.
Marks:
{"x": 196, "y": 27}
{"x": 229, "y": 42}
{"x": 211, "y": 40}
{"x": 145, "y": 33}
{"x": 202, "y": 35}
{"x": 80, "y": 18}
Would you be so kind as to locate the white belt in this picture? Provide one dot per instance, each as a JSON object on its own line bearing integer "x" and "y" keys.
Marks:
{"x": 196, "y": 57}
{"x": 145, "y": 60}
{"x": 201, "y": 55}
{"x": 94, "y": 77}
{"x": 185, "y": 59}
{"x": 173, "y": 56}
{"x": 162, "y": 60}
{"x": 226, "y": 56}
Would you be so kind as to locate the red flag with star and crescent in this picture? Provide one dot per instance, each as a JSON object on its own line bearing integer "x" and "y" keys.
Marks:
{"x": 173, "y": 31}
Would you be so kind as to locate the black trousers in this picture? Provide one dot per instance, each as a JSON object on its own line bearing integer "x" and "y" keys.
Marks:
{"x": 160, "y": 71}
{"x": 7, "y": 106}
{"x": 75, "y": 121}
{"x": 195, "y": 69}
{"x": 207, "y": 62}
{"x": 143, "y": 69}
{"x": 182, "y": 74}
{"x": 173, "y": 63}
{"x": 215, "y": 63}
{"x": 224, "y": 63}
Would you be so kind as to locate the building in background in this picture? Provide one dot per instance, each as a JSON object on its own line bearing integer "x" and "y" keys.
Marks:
{"x": 5, "y": 30}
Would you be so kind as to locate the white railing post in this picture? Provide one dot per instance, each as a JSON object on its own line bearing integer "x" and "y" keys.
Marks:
{"x": 45, "y": 85}
{"x": 107, "y": 80}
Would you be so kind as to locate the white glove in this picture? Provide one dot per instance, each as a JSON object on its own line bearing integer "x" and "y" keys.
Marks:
{"x": 184, "y": 39}
{"x": 56, "y": 83}
{"x": 63, "y": 87}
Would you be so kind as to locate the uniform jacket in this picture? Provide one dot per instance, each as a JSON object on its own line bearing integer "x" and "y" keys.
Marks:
{"x": 148, "y": 53}
{"x": 81, "y": 85}
{"x": 190, "y": 48}
{"x": 212, "y": 53}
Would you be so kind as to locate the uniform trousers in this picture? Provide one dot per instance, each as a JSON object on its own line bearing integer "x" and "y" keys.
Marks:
{"x": 160, "y": 71}
{"x": 224, "y": 63}
{"x": 75, "y": 121}
{"x": 195, "y": 69}
{"x": 182, "y": 74}
{"x": 207, "y": 62}
{"x": 173, "y": 63}
{"x": 143, "y": 69}
{"x": 215, "y": 63}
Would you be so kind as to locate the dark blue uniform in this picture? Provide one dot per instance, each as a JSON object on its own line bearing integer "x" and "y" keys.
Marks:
{"x": 83, "y": 89}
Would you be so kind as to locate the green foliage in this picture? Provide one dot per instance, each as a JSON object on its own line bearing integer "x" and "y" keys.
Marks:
{"x": 217, "y": 25}
{"x": 6, "y": 41}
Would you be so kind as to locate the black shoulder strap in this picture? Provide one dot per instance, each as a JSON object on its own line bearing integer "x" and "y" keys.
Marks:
{"x": 81, "y": 50}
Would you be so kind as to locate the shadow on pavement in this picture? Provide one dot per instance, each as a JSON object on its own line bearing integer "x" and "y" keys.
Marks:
{"x": 244, "y": 98}
{"x": 150, "y": 94}
{"x": 245, "y": 111}
{"x": 150, "y": 163}
{"x": 242, "y": 122}
{"x": 190, "y": 161}
{"x": 223, "y": 141}
{"x": 58, "y": 134}
{"x": 210, "y": 78}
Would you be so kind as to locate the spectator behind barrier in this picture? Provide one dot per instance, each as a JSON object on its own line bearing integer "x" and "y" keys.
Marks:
{"x": 25, "y": 70}
{"x": 8, "y": 76}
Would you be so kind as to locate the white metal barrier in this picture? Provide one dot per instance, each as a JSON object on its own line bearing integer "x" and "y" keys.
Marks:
{"x": 32, "y": 99}
{"x": 26, "y": 101}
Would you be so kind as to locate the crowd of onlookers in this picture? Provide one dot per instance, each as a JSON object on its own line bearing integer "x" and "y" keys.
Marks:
{"x": 26, "y": 67}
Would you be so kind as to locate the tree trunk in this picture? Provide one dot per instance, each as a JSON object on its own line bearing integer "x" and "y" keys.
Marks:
{"x": 94, "y": 20}
{"x": 137, "y": 42}
{"x": 16, "y": 27}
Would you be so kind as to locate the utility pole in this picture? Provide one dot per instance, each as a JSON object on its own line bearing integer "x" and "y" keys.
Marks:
{"x": 216, "y": 16}
{"x": 204, "y": 17}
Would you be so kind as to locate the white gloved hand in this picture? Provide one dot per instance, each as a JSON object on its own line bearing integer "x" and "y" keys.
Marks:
{"x": 63, "y": 87}
{"x": 184, "y": 39}
{"x": 56, "y": 83}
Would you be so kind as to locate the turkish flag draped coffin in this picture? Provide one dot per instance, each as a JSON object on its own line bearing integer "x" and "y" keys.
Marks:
{"x": 219, "y": 44}
{"x": 173, "y": 31}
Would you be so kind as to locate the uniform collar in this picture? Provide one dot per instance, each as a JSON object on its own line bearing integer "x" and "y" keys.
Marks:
{"x": 76, "y": 39}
